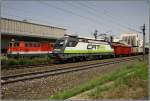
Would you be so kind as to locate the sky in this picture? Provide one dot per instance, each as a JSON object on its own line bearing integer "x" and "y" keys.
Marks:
{"x": 82, "y": 17}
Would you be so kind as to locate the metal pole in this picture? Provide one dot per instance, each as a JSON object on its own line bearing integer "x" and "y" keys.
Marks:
{"x": 143, "y": 29}
{"x": 95, "y": 34}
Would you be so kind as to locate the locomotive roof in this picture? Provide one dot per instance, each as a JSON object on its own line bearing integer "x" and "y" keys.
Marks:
{"x": 30, "y": 42}
{"x": 86, "y": 38}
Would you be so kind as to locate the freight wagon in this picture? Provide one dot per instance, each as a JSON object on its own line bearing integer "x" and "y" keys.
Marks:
{"x": 136, "y": 50}
{"x": 121, "y": 49}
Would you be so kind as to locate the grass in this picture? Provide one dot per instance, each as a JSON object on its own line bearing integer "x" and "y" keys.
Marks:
{"x": 120, "y": 77}
{"x": 126, "y": 86}
{"x": 8, "y": 62}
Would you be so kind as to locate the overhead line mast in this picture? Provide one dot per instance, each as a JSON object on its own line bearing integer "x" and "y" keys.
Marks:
{"x": 143, "y": 30}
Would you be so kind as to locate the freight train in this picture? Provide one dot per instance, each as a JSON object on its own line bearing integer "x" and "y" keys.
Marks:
{"x": 79, "y": 48}
{"x": 73, "y": 48}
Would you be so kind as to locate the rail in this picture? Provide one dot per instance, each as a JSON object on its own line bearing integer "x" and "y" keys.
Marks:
{"x": 57, "y": 71}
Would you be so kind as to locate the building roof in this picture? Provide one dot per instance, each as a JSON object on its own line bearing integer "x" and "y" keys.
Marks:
{"x": 25, "y": 21}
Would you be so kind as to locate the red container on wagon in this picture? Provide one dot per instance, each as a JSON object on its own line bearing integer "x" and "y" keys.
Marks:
{"x": 121, "y": 49}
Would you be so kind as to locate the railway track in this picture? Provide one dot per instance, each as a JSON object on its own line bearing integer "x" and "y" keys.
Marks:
{"x": 57, "y": 71}
{"x": 13, "y": 67}
{"x": 25, "y": 66}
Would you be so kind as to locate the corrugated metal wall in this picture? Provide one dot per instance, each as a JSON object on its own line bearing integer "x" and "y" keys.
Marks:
{"x": 27, "y": 28}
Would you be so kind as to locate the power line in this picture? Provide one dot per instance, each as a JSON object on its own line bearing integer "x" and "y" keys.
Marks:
{"x": 21, "y": 10}
{"x": 113, "y": 18}
{"x": 70, "y": 12}
{"x": 59, "y": 9}
{"x": 34, "y": 20}
{"x": 31, "y": 12}
{"x": 52, "y": 24}
{"x": 92, "y": 9}
{"x": 94, "y": 14}
{"x": 86, "y": 10}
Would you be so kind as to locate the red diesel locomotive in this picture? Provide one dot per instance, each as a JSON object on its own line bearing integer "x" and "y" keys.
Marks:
{"x": 29, "y": 48}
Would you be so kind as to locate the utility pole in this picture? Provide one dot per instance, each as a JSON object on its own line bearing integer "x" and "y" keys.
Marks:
{"x": 111, "y": 39}
{"x": 143, "y": 30}
{"x": 95, "y": 34}
{"x": 102, "y": 34}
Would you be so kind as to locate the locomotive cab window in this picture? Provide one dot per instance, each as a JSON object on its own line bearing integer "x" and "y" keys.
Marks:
{"x": 30, "y": 44}
{"x": 59, "y": 43}
{"x": 26, "y": 44}
{"x": 51, "y": 45}
{"x": 89, "y": 47}
{"x": 34, "y": 44}
{"x": 16, "y": 44}
{"x": 71, "y": 44}
{"x": 10, "y": 45}
{"x": 38, "y": 45}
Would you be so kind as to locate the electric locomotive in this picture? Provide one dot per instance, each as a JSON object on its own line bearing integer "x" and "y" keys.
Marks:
{"x": 80, "y": 48}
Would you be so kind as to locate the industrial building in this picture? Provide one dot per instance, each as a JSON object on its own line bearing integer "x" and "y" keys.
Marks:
{"x": 131, "y": 39}
{"x": 27, "y": 31}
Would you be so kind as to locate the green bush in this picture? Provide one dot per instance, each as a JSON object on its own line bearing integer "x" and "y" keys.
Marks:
{"x": 12, "y": 61}
{"x": 8, "y": 62}
{"x": 40, "y": 60}
{"x": 4, "y": 61}
{"x": 24, "y": 61}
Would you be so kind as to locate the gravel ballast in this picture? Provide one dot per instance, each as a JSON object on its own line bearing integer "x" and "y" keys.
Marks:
{"x": 44, "y": 87}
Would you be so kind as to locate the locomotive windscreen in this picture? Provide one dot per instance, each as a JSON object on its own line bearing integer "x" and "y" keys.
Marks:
{"x": 59, "y": 43}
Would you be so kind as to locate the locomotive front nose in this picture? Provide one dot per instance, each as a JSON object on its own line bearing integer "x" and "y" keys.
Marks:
{"x": 59, "y": 46}
{"x": 58, "y": 51}
{"x": 57, "y": 54}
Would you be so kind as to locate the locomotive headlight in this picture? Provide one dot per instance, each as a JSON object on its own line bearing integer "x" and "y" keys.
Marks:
{"x": 56, "y": 49}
